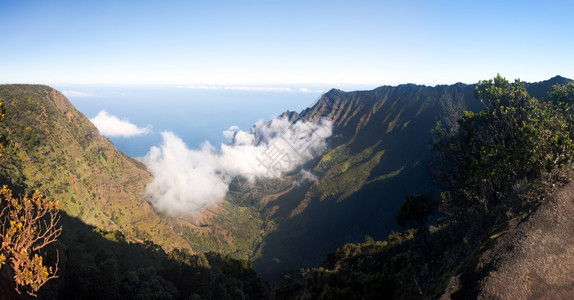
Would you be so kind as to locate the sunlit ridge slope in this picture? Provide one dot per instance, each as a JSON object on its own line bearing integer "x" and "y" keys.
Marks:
{"x": 57, "y": 150}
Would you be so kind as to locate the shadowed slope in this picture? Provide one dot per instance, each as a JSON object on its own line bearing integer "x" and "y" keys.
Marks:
{"x": 379, "y": 152}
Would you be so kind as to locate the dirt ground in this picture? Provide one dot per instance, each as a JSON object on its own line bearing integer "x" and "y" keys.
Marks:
{"x": 534, "y": 259}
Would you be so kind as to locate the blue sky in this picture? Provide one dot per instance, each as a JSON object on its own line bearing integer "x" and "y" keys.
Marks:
{"x": 283, "y": 43}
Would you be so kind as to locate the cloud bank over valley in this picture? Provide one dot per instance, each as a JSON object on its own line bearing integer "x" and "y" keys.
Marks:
{"x": 187, "y": 180}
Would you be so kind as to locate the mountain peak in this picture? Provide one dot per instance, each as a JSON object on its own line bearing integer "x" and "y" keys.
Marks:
{"x": 559, "y": 80}
{"x": 540, "y": 89}
{"x": 334, "y": 92}
{"x": 554, "y": 80}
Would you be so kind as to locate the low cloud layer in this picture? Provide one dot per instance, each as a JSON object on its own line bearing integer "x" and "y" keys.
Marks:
{"x": 77, "y": 94}
{"x": 111, "y": 126}
{"x": 186, "y": 180}
{"x": 306, "y": 176}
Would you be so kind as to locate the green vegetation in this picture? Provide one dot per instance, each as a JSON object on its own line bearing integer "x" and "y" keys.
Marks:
{"x": 55, "y": 149}
{"x": 333, "y": 157}
{"x": 516, "y": 140}
{"x": 27, "y": 225}
{"x": 415, "y": 211}
{"x": 362, "y": 178}
{"x": 345, "y": 176}
{"x": 497, "y": 165}
{"x": 237, "y": 231}
{"x": 96, "y": 264}
{"x": 494, "y": 166}
{"x": 238, "y": 225}
{"x": 130, "y": 252}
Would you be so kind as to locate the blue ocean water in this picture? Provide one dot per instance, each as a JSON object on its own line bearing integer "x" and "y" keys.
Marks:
{"x": 195, "y": 115}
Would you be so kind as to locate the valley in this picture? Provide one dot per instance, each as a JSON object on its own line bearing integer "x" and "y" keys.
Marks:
{"x": 345, "y": 197}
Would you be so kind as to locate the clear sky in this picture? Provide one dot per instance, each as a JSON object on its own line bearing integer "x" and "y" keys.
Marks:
{"x": 275, "y": 43}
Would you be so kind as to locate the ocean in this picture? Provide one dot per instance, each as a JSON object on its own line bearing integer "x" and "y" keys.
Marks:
{"x": 196, "y": 115}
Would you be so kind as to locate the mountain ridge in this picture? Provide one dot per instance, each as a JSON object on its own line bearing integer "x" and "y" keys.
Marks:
{"x": 381, "y": 139}
{"x": 481, "y": 250}
{"x": 58, "y": 151}
{"x": 379, "y": 152}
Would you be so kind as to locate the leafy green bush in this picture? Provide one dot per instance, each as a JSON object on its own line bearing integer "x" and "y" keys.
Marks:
{"x": 494, "y": 162}
{"x": 516, "y": 137}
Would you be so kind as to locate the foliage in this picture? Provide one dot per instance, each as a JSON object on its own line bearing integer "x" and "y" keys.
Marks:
{"x": 55, "y": 149}
{"x": 3, "y": 140}
{"x": 392, "y": 269}
{"x": 333, "y": 157}
{"x": 96, "y": 264}
{"x": 515, "y": 138}
{"x": 238, "y": 232}
{"x": 28, "y": 224}
{"x": 345, "y": 175}
{"x": 494, "y": 164}
{"x": 415, "y": 211}
{"x": 486, "y": 158}
{"x": 562, "y": 94}
{"x": 379, "y": 152}
{"x": 60, "y": 153}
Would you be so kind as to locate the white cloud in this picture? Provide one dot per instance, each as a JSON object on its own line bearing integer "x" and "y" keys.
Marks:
{"x": 112, "y": 126}
{"x": 77, "y": 94}
{"x": 306, "y": 176}
{"x": 229, "y": 134}
{"x": 186, "y": 180}
{"x": 306, "y": 90}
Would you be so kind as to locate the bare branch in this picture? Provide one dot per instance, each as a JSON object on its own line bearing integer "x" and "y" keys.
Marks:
{"x": 453, "y": 107}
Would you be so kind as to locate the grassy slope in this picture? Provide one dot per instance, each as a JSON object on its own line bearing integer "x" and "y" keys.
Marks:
{"x": 56, "y": 150}
{"x": 238, "y": 225}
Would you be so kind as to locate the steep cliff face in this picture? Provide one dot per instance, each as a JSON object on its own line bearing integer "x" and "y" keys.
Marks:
{"x": 379, "y": 152}
{"x": 55, "y": 149}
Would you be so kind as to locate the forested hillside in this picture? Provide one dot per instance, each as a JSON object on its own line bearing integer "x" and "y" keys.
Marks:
{"x": 112, "y": 244}
{"x": 398, "y": 157}
{"x": 57, "y": 150}
{"x": 496, "y": 169}
{"x": 379, "y": 152}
